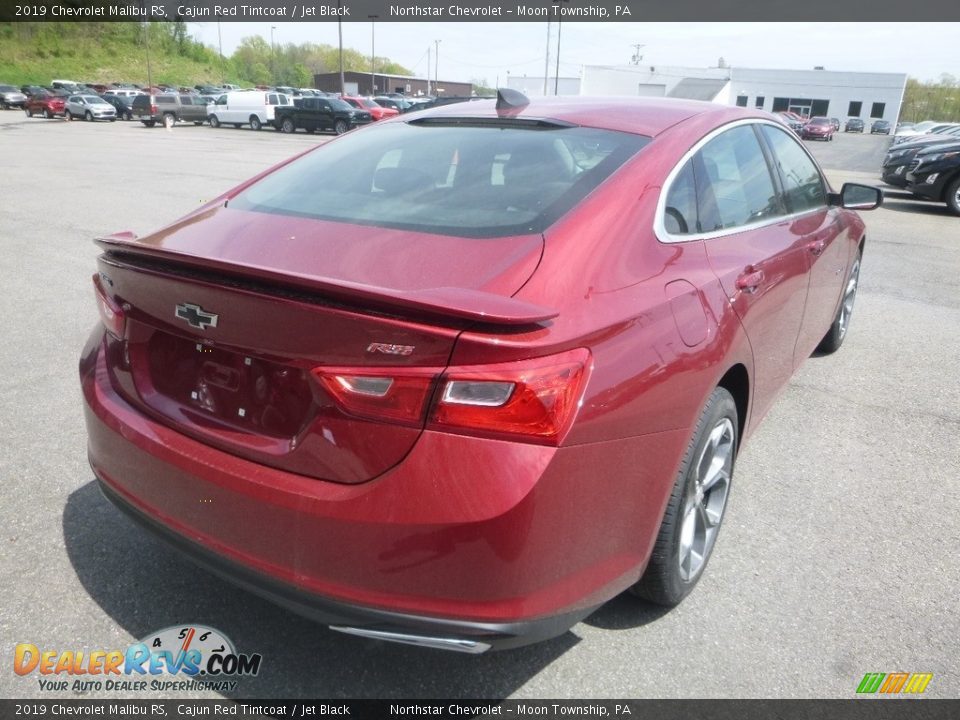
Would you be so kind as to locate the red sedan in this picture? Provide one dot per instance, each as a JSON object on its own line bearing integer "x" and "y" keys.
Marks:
{"x": 818, "y": 128}
{"x": 377, "y": 112}
{"x": 495, "y": 375}
{"x": 46, "y": 104}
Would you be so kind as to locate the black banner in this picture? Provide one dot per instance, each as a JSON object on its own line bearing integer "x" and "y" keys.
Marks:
{"x": 863, "y": 709}
{"x": 277, "y": 11}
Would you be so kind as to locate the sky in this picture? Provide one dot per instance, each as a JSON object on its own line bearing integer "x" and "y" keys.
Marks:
{"x": 489, "y": 51}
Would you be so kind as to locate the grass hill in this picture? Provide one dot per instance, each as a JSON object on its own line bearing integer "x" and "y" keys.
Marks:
{"x": 105, "y": 52}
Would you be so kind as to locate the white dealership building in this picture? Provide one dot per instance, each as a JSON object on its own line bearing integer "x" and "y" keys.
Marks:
{"x": 870, "y": 96}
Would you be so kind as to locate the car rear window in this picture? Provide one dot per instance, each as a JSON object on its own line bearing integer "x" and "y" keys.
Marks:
{"x": 474, "y": 180}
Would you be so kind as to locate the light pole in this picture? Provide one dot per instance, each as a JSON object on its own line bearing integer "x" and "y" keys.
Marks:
{"x": 340, "y": 38}
{"x": 436, "y": 68}
{"x": 556, "y": 80}
{"x": 373, "y": 53}
{"x": 223, "y": 67}
{"x": 273, "y": 55}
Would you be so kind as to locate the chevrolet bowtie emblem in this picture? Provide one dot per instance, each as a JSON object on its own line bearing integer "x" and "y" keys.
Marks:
{"x": 196, "y": 316}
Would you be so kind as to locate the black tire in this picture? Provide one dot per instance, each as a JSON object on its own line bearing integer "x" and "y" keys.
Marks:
{"x": 287, "y": 126}
{"x": 664, "y": 581}
{"x": 149, "y": 123}
{"x": 169, "y": 120}
{"x": 48, "y": 115}
{"x": 952, "y": 196}
{"x": 340, "y": 127}
{"x": 255, "y": 123}
{"x": 238, "y": 125}
{"x": 88, "y": 116}
{"x": 841, "y": 322}
{"x": 113, "y": 119}
{"x": 128, "y": 115}
{"x": 198, "y": 122}
{"x": 214, "y": 121}
{"x": 29, "y": 112}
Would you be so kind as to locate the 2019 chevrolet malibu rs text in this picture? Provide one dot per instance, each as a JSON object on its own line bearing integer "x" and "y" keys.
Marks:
{"x": 495, "y": 375}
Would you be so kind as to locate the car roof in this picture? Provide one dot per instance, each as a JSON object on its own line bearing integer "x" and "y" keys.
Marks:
{"x": 642, "y": 116}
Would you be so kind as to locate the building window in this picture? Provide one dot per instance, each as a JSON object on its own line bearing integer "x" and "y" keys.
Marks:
{"x": 855, "y": 108}
{"x": 877, "y": 110}
{"x": 741, "y": 101}
{"x": 759, "y": 103}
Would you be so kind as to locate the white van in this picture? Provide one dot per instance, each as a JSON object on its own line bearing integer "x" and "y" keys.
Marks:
{"x": 123, "y": 92}
{"x": 246, "y": 107}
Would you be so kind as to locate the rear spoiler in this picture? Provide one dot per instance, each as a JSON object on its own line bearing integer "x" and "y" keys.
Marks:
{"x": 445, "y": 302}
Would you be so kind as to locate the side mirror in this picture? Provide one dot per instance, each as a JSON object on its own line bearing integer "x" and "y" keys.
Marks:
{"x": 854, "y": 196}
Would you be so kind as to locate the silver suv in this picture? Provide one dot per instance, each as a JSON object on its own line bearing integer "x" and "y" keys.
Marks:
{"x": 170, "y": 108}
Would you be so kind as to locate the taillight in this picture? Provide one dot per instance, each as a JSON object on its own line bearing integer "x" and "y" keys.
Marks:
{"x": 153, "y": 109}
{"x": 534, "y": 400}
{"x": 110, "y": 313}
{"x": 398, "y": 396}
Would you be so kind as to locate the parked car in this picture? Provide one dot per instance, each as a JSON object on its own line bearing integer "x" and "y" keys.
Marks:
{"x": 402, "y": 417}
{"x": 899, "y": 157}
{"x": 792, "y": 121}
{"x": 377, "y": 112}
{"x": 122, "y": 104}
{"x": 89, "y": 107}
{"x": 31, "y": 90}
{"x": 451, "y": 100}
{"x": 921, "y": 128}
{"x": 819, "y": 128}
{"x": 398, "y": 104}
{"x": 47, "y": 105}
{"x": 853, "y": 125}
{"x": 935, "y": 174}
{"x": 11, "y": 97}
{"x": 170, "y": 108}
{"x": 315, "y": 113}
{"x": 880, "y": 127}
{"x": 69, "y": 86}
{"x": 255, "y": 108}
{"x": 122, "y": 92}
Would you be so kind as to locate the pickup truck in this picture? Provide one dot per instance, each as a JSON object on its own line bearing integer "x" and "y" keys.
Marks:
{"x": 319, "y": 113}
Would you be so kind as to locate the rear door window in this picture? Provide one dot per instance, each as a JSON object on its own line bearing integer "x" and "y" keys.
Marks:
{"x": 680, "y": 211}
{"x": 734, "y": 185}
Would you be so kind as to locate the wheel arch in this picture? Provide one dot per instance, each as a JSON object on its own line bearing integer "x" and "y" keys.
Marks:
{"x": 736, "y": 381}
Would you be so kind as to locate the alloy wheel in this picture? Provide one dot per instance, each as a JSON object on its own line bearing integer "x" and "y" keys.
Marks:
{"x": 849, "y": 297}
{"x": 706, "y": 499}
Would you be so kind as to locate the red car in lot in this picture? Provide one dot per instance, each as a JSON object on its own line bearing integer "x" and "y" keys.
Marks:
{"x": 818, "y": 128}
{"x": 495, "y": 375}
{"x": 46, "y": 105}
{"x": 377, "y": 112}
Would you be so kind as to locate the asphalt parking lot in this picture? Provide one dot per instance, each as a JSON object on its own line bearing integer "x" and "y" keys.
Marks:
{"x": 839, "y": 553}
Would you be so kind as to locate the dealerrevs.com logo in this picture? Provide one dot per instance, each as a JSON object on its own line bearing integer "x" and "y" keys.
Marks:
{"x": 182, "y": 657}
{"x": 894, "y": 683}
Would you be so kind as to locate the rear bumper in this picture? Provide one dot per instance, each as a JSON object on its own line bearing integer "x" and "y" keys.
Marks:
{"x": 466, "y": 537}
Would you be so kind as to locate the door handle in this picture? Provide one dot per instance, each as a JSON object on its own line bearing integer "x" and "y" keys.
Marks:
{"x": 816, "y": 246}
{"x": 750, "y": 280}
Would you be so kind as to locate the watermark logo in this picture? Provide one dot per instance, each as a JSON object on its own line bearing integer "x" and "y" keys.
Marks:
{"x": 180, "y": 657}
{"x": 894, "y": 683}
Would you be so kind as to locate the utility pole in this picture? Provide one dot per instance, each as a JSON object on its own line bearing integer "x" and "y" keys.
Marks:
{"x": 429, "y": 50}
{"x": 223, "y": 66}
{"x": 436, "y": 68}
{"x": 556, "y": 80}
{"x": 546, "y": 64}
{"x": 340, "y": 39}
{"x": 273, "y": 53}
{"x": 146, "y": 43}
{"x": 373, "y": 53}
{"x": 637, "y": 57}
